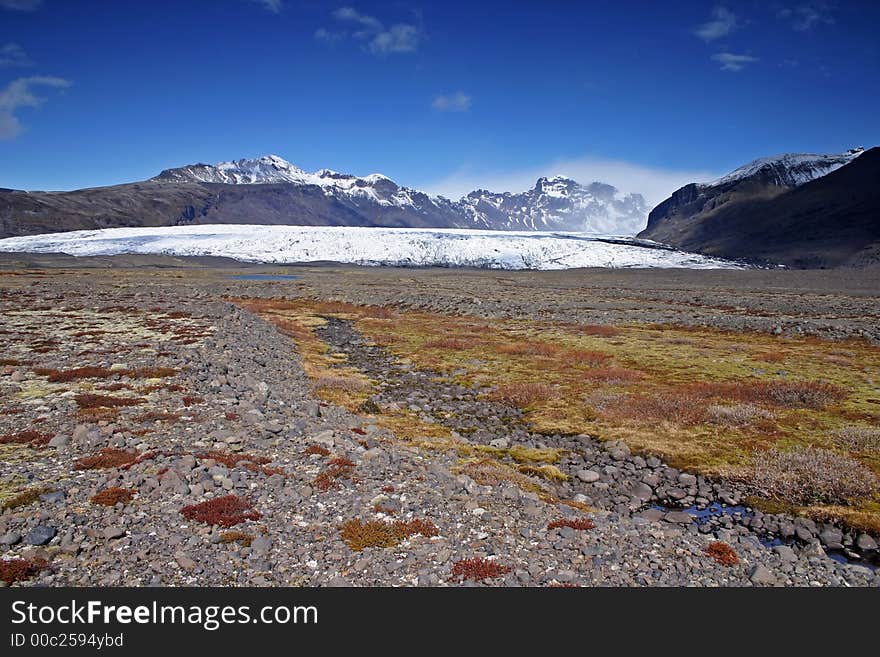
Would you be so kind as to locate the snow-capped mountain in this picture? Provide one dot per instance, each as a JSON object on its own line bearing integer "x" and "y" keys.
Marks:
{"x": 790, "y": 169}
{"x": 402, "y": 247}
{"x": 553, "y": 204}
{"x": 801, "y": 210}
{"x": 560, "y": 203}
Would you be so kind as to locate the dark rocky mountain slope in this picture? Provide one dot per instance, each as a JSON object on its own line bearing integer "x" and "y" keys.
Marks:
{"x": 769, "y": 216}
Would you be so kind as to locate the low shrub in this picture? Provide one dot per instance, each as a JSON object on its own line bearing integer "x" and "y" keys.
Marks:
{"x": 598, "y": 330}
{"x": 580, "y": 524}
{"x": 316, "y": 449}
{"x": 641, "y": 408}
{"x": 478, "y": 569}
{"x": 787, "y": 394}
{"x": 722, "y": 553}
{"x": 811, "y": 475}
{"x": 338, "y": 468}
{"x": 377, "y": 533}
{"x": 112, "y": 496}
{"x": 108, "y": 457}
{"x": 91, "y": 400}
{"x": 522, "y": 395}
{"x": 30, "y": 438}
{"x": 612, "y": 375}
{"x": 190, "y": 400}
{"x": 453, "y": 344}
{"x": 234, "y": 536}
{"x": 739, "y": 415}
{"x": 862, "y": 439}
{"x": 589, "y": 358}
{"x": 226, "y": 511}
{"x": 63, "y": 376}
{"x": 19, "y": 570}
{"x": 526, "y": 348}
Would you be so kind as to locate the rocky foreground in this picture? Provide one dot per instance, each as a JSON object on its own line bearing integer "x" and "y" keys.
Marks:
{"x": 113, "y": 479}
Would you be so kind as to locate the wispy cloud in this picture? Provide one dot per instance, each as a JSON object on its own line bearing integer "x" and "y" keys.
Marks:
{"x": 654, "y": 183}
{"x": 454, "y": 102}
{"x": 274, "y": 6}
{"x": 732, "y": 62}
{"x": 377, "y": 39}
{"x": 808, "y": 15}
{"x": 723, "y": 23}
{"x": 12, "y": 54}
{"x": 20, "y": 5}
{"x": 20, "y": 93}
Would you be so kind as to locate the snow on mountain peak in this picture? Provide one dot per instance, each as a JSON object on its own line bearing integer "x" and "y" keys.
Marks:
{"x": 791, "y": 169}
{"x": 554, "y": 203}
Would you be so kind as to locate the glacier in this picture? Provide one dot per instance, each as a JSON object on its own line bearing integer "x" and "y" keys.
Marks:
{"x": 402, "y": 247}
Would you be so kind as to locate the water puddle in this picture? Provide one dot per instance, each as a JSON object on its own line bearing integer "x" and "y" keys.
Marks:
{"x": 704, "y": 515}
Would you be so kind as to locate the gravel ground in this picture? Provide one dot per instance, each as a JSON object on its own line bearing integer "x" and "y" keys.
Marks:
{"x": 238, "y": 417}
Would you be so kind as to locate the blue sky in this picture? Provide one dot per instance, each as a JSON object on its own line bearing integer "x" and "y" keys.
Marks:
{"x": 443, "y": 96}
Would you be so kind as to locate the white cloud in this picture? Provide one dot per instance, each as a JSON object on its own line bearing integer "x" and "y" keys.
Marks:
{"x": 732, "y": 62}
{"x": 19, "y": 93}
{"x": 723, "y": 23}
{"x": 12, "y": 54}
{"x": 655, "y": 184}
{"x": 21, "y": 5}
{"x": 455, "y": 102}
{"x": 808, "y": 15}
{"x": 377, "y": 39}
{"x": 325, "y": 35}
{"x": 274, "y": 6}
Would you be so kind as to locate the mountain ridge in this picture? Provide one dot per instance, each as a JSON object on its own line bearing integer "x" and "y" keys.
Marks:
{"x": 830, "y": 220}
{"x": 271, "y": 190}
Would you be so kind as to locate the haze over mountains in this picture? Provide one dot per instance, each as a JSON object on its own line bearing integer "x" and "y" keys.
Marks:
{"x": 270, "y": 190}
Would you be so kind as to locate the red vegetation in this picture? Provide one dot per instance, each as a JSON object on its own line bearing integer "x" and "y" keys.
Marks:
{"x": 338, "y": 468}
{"x": 359, "y": 431}
{"x": 388, "y": 489}
{"x": 522, "y": 395}
{"x": 31, "y": 438}
{"x": 192, "y": 401}
{"x": 449, "y": 343}
{"x": 19, "y": 570}
{"x": 599, "y": 330}
{"x": 580, "y": 524}
{"x": 407, "y": 528}
{"x": 679, "y": 409}
{"x": 232, "y": 417}
{"x": 112, "y": 496}
{"x": 247, "y": 461}
{"x": 478, "y": 569}
{"x": 722, "y": 553}
{"x": 587, "y": 357}
{"x": 612, "y": 375}
{"x": 316, "y": 449}
{"x": 224, "y": 511}
{"x": 62, "y": 376}
{"x": 788, "y": 394}
{"x": 109, "y": 457}
{"x": 89, "y": 400}
{"x": 77, "y": 373}
{"x": 528, "y": 349}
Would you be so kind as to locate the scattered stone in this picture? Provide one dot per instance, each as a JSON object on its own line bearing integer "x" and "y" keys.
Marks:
{"x": 40, "y": 535}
